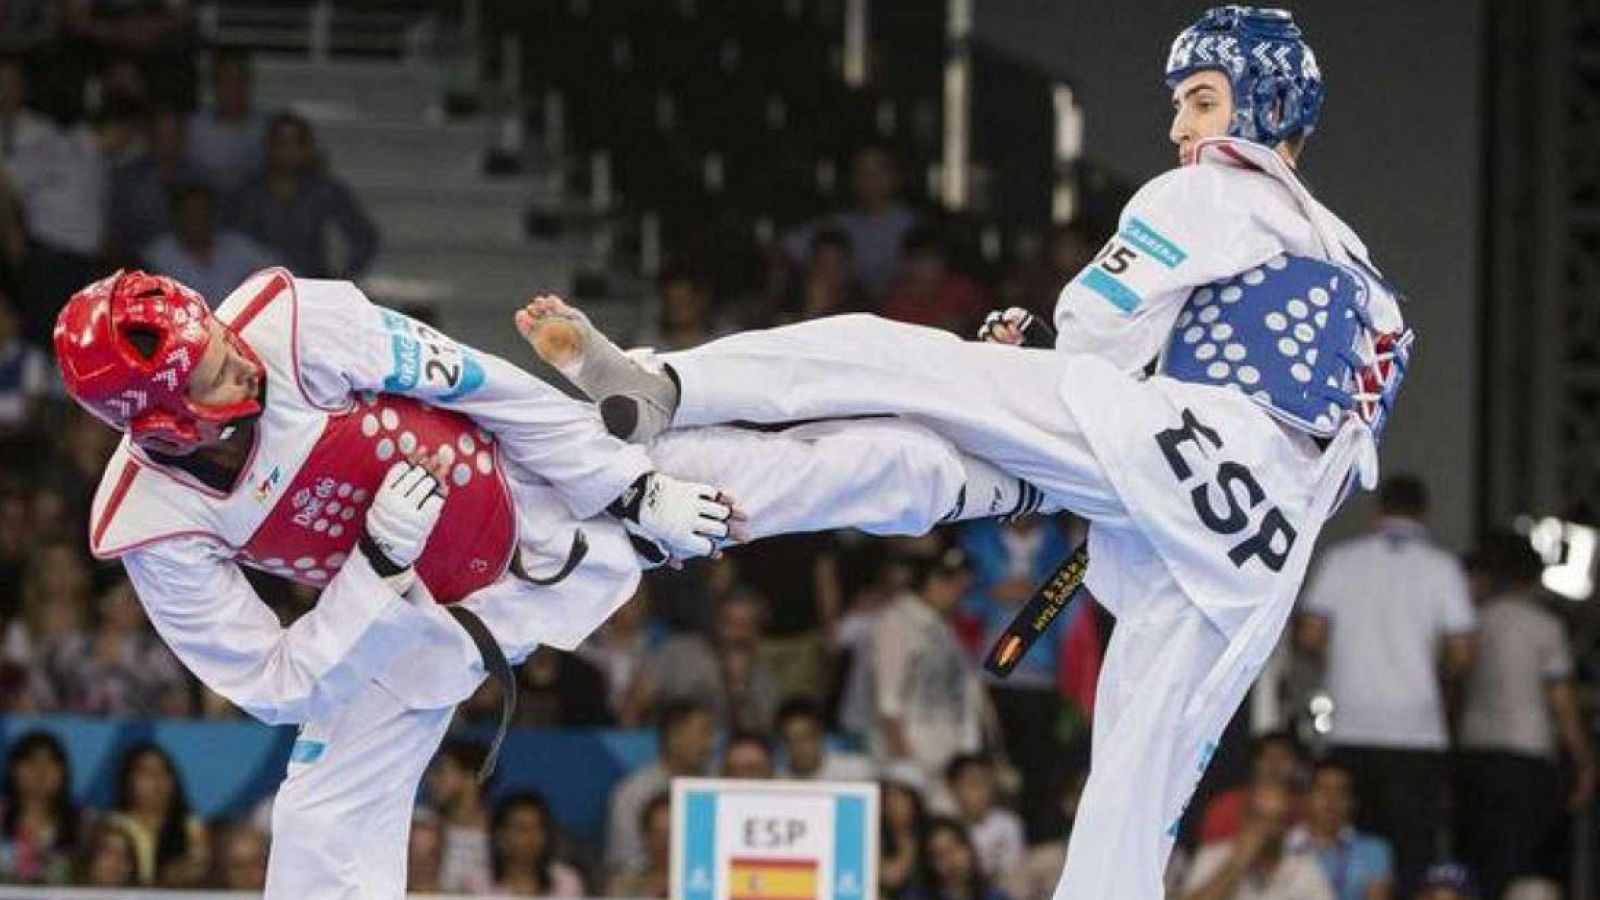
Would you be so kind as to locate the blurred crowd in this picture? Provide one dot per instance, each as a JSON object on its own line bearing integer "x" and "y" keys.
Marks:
{"x": 123, "y": 145}
{"x": 1419, "y": 734}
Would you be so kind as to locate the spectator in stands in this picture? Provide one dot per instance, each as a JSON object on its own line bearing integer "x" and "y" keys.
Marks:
{"x": 150, "y": 40}
{"x": 684, "y": 311}
{"x": 1257, "y": 865}
{"x": 1277, "y": 758}
{"x": 996, "y": 832}
{"x": 28, "y": 25}
{"x": 1520, "y": 716}
{"x": 877, "y": 223}
{"x": 620, "y": 650}
{"x": 228, "y": 138}
{"x": 50, "y": 638}
{"x": 928, "y": 292}
{"x": 686, "y": 736}
{"x": 82, "y": 444}
{"x": 1359, "y": 866}
{"x": 901, "y": 830}
{"x": 523, "y": 862}
{"x": 880, "y": 580}
{"x": 425, "y": 855}
{"x": 1036, "y": 281}
{"x": 723, "y": 672}
{"x": 929, "y": 698}
{"x": 26, "y": 376}
{"x": 798, "y": 576}
{"x": 170, "y": 844}
{"x": 142, "y": 186}
{"x": 16, "y": 543}
{"x": 950, "y": 867}
{"x": 295, "y": 206}
{"x": 453, "y": 792}
{"x": 211, "y": 260}
{"x": 39, "y": 823}
{"x": 242, "y": 858}
{"x": 1448, "y": 881}
{"x": 828, "y": 285}
{"x": 110, "y": 857}
{"x": 1009, "y": 561}
{"x": 56, "y": 178}
{"x": 747, "y": 755}
{"x": 1387, "y": 614}
{"x": 128, "y": 670}
{"x": 1045, "y": 859}
{"x": 649, "y": 879}
{"x": 802, "y": 729}
{"x": 561, "y": 690}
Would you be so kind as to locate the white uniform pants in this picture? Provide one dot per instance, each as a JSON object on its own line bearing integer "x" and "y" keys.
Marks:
{"x": 342, "y": 818}
{"x": 1153, "y": 732}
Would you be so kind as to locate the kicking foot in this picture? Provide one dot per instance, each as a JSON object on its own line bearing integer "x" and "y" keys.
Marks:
{"x": 635, "y": 395}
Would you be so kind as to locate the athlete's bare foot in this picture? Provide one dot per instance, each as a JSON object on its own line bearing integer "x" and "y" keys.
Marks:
{"x": 546, "y": 323}
{"x": 636, "y": 399}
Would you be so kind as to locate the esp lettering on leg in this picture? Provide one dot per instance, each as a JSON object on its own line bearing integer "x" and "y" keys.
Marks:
{"x": 1241, "y": 495}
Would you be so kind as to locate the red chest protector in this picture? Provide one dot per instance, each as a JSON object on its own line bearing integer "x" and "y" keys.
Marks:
{"x": 310, "y": 531}
{"x": 302, "y": 499}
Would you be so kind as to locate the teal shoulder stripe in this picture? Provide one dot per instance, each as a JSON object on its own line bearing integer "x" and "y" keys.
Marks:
{"x": 1110, "y": 288}
{"x": 1153, "y": 243}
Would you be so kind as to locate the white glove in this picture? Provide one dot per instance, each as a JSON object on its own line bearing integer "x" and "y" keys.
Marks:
{"x": 1005, "y": 326}
{"x": 404, "y": 510}
{"x": 686, "y": 518}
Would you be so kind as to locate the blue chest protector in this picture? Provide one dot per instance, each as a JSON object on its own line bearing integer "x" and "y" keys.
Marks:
{"x": 1296, "y": 336}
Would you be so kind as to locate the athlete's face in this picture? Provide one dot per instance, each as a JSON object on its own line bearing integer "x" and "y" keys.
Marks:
{"x": 1202, "y": 106}
{"x": 224, "y": 375}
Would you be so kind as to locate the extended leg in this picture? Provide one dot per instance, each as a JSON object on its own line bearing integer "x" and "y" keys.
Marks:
{"x": 883, "y": 476}
{"x": 996, "y": 403}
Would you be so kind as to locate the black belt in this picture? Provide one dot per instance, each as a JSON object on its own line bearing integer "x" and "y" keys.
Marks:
{"x": 499, "y": 668}
{"x": 1030, "y": 623}
{"x": 494, "y": 659}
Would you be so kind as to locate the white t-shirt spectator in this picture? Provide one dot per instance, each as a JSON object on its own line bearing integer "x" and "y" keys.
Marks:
{"x": 923, "y": 678}
{"x": 1297, "y": 877}
{"x": 1521, "y": 649}
{"x": 233, "y": 258}
{"x": 1390, "y": 598}
{"x": 1000, "y": 845}
{"x": 61, "y": 181}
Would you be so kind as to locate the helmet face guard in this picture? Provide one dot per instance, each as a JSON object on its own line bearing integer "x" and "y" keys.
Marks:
{"x": 1277, "y": 86}
{"x": 127, "y": 347}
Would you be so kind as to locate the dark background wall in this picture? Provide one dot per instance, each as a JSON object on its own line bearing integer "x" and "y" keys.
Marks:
{"x": 1397, "y": 156}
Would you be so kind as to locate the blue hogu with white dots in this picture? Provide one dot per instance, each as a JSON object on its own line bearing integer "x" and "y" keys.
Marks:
{"x": 1288, "y": 333}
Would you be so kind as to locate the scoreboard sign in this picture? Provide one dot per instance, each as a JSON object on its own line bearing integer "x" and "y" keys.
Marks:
{"x": 774, "y": 840}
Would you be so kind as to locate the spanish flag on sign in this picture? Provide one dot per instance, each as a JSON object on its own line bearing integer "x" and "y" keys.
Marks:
{"x": 772, "y": 879}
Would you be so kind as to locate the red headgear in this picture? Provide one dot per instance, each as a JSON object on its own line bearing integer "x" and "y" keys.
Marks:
{"x": 126, "y": 346}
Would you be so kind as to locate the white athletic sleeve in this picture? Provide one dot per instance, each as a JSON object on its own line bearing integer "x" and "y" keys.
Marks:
{"x": 1184, "y": 229}
{"x": 350, "y": 344}
{"x": 202, "y": 606}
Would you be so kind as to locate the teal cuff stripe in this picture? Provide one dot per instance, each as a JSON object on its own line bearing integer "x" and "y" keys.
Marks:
{"x": 1111, "y": 289}
{"x": 305, "y": 751}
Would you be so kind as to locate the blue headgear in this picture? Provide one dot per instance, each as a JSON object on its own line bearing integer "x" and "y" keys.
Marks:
{"x": 1277, "y": 87}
